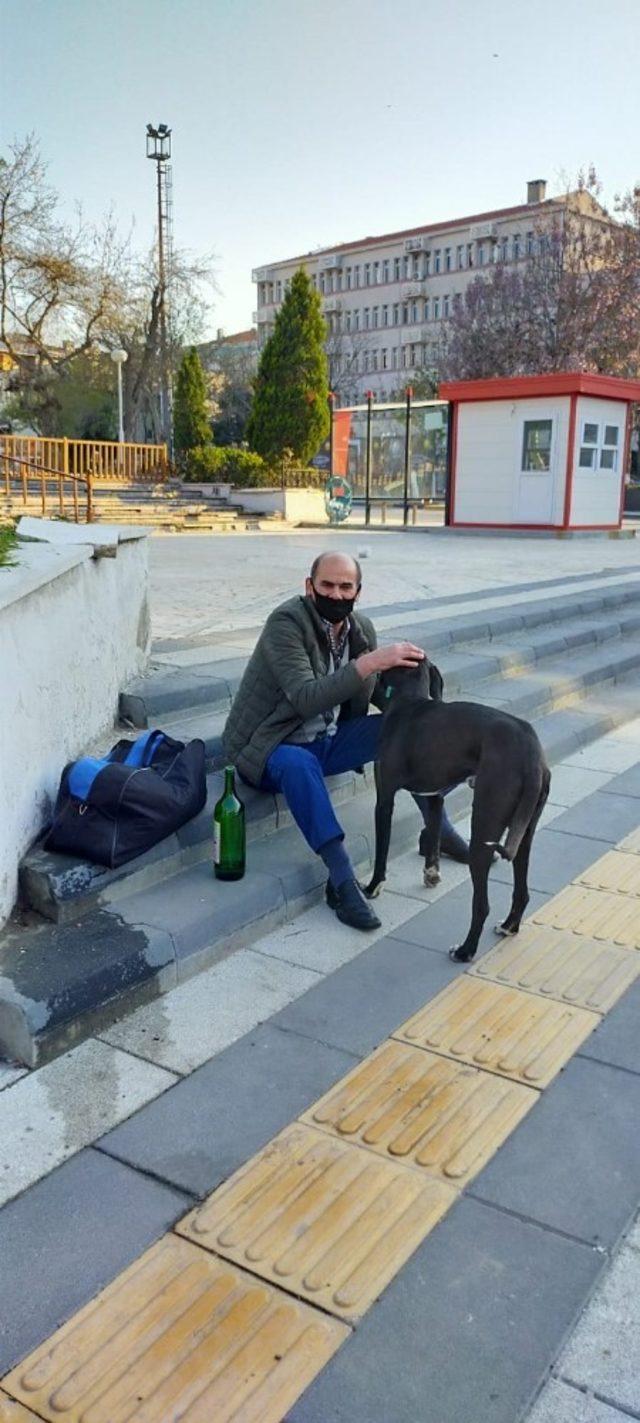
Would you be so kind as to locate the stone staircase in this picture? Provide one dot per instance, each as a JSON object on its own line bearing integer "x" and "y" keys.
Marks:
{"x": 163, "y": 508}
{"x": 89, "y": 943}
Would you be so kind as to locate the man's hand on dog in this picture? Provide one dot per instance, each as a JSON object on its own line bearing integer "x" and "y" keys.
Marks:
{"x": 397, "y": 654}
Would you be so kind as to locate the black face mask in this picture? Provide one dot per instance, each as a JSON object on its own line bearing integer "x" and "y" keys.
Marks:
{"x": 333, "y": 610}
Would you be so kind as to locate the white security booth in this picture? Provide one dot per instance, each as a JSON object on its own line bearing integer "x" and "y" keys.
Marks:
{"x": 543, "y": 452}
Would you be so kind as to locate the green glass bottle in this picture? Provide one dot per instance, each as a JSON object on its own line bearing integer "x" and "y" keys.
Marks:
{"x": 229, "y": 836}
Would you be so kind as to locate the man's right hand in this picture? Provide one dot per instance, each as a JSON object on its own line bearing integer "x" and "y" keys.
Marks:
{"x": 397, "y": 654}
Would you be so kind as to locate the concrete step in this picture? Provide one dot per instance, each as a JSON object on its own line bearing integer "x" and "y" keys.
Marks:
{"x": 62, "y": 982}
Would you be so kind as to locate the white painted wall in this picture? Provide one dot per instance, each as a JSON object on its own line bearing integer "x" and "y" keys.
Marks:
{"x": 490, "y": 487}
{"x": 596, "y": 493}
{"x": 73, "y": 629}
{"x": 297, "y": 506}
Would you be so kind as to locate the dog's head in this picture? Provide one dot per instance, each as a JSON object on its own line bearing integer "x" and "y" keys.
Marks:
{"x": 422, "y": 682}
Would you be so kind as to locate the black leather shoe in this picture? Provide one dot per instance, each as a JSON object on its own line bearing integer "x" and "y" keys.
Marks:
{"x": 454, "y": 846}
{"x": 351, "y": 906}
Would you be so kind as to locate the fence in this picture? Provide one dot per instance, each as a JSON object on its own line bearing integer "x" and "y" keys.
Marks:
{"x": 62, "y": 469}
{"x": 392, "y": 454}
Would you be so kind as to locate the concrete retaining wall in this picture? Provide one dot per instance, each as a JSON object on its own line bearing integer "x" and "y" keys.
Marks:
{"x": 73, "y": 627}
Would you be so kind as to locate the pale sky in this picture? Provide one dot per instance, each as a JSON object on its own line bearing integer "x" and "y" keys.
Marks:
{"x": 301, "y": 123}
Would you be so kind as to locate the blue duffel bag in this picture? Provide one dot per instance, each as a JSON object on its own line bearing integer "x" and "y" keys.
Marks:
{"x": 111, "y": 809}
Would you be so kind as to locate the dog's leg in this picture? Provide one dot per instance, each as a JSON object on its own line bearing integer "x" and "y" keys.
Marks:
{"x": 492, "y": 806}
{"x": 520, "y": 899}
{"x": 480, "y": 860}
{"x": 431, "y": 808}
{"x": 384, "y": 814}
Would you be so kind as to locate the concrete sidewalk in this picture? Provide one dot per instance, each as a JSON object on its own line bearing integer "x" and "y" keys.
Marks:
{"x": 477, "y": 1317}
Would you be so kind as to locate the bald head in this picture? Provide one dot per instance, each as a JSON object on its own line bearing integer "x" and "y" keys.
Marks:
{"x": 337, "y": 566}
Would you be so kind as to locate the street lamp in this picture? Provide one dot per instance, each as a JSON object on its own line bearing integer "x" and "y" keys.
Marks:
{"x": 119, "y": 357}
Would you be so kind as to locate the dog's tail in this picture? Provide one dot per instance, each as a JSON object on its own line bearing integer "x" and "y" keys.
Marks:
{"x": 521, "y": 818}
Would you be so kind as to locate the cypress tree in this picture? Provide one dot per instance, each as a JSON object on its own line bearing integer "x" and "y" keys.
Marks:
{"x": 191, "y": 425}
{"x": 290, "y": 408}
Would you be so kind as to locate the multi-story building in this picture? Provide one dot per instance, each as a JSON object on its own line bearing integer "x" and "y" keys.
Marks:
{"x": 384, "y": 298}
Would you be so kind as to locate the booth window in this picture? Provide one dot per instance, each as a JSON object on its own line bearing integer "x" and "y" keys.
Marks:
{"x": 599, "y": 450}
{"x": 536, "y": 445}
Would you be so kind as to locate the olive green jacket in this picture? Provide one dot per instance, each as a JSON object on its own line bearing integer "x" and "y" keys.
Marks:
{"x": 288, "y": 680}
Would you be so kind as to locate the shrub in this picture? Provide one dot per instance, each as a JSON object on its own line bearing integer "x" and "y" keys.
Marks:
{"x": 226, "y": 464}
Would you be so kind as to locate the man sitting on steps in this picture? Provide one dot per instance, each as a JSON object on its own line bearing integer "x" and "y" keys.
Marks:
{"x": 300, "y": 714}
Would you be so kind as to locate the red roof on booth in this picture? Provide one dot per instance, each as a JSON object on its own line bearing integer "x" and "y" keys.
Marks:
{"x": 525, "y": 387}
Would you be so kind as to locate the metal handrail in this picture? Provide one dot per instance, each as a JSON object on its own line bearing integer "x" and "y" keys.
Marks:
{"x": 44, "y": 472}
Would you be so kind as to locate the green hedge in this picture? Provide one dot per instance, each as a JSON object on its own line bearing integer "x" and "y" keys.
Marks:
{"x": 226, "y": 464}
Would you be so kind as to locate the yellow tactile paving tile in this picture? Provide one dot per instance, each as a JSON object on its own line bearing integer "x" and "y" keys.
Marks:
{"x": 558, "y": 964}
{"x": 180, "y": 1335}
{"x": 423, "y": 1110}
{"x": 11, "y": 1412}
{"x": 593, "y": 913}
{"x": 631, "y": 843}
{"x": 322, "y": 1218}
{"x": 615, "y": 871}
{"x": 500, "y": 1029}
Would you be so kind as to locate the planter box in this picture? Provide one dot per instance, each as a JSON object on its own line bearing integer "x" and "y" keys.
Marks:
{"x": 295, "y": 506}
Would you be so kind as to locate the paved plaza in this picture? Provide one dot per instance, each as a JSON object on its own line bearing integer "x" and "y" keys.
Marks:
{"x": 513, "y": 1259}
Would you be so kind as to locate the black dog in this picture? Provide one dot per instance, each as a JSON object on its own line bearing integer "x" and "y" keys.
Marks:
{"x": 427, "y": 744}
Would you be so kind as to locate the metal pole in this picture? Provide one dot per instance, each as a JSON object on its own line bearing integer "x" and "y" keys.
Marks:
{"x": 367, "y": 475}
{"x": 120, "y": 406}
{"x": 332, "y": 400}
{"x": 407, "y": 458}
{"x": 162, "y": 318}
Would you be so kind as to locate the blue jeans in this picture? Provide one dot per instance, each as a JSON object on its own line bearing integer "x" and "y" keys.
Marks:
{"x": 298, "y": 772}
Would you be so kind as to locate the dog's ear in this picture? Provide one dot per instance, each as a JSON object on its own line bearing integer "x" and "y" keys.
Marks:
{"x": 436, "y": 684}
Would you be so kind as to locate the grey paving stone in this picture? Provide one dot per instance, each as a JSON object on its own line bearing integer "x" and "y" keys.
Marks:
{"x": 555, "y": 859}
{"x": 466, "y": 1331}
{"x": 446, "y": 922}
{"x": 604, "y": 1353}
{"x": 67, "y": 1237}
{"x": 218, "y": 1117}
{"x": 628, "y": 783}
{"x": 562, "y": 1403}
{"x": 574, "y": 1163}
{"x": 617, "y": 1039}
{"x": 360, "y": 1004}
{"x": 601, "y": 816}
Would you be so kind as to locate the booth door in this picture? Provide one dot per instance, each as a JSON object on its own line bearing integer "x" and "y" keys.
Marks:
{"x": 536, "y": 477}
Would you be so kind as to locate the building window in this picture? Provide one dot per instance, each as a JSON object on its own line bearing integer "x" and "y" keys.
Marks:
{"x": 469, "y": 254}
{"x": 338, "y": 281}
{"x": 347, "y": 320}
{"x": 396, "y": 269}
{"x": 394, "y": 357}
{"x": 531, "y": 242}
{"x": 460, "y": 257}
{"x": 367, "y": 274}
{"x": 599, "y": 451}
{"x": 427, "y": 264}
{"x": 445, "y": 306}
{"x": 376, "y": 273}
{"x": 481, "y": 254}
{"x": 407, "y": 266}
{"x": 374, "y": 316}
{"x": 322, "y": 283}
{"x": 447, "y": 259}
{"x": 517, "y": 247}
{"x": 436, "y": 308}
{"x": 383, "y": 358}
{"x": 385, "y": 271}
{"x": 414, "y": 312}
{"x": 385, "y": 316}
{"x": 536, "y": 445}
{"x": 427, "y": 309}
{"x": 396, "y": 314}
{"x": 374, "y": 360}
{"x": 609, "y": 447}
{"x": 416, "y": 265}
{"x": 356, "y": 320}
{"x": 504, "y": 248}
{"x": 365, "y": 318}
{"x": 347, "y": 278}
{"x": 405, "y": 313}
{"x": 436, "y": 260}
{"x": 356, "y": 276}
